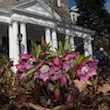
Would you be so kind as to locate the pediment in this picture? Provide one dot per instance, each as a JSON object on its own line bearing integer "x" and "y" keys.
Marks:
{"x": 40, "y": 7}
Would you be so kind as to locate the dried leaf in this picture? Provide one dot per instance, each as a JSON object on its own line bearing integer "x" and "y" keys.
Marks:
{"x": 37, "y": 107}
{"x": 81, "y": 85}
{"x": 104, "y": 88}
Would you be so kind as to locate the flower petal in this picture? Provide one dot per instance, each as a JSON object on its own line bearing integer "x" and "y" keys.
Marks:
{"x": 55, "y": 77}
{"x": 24, "y": 78}
{"x": 20, "y": 67}
{"x": 28, "y": 66}
{"x": 56, "y": 61}
{"x": 37, "y": 75}
{"x": 63, "y": 80}
{"x": 44, "y": 76}
{"x": 57, "y": 95}
{"x": 66, "y": 67}
{"x": 25, "y": 56}
{"x": 70, "y": 56}
{"x": 70, "y": 98}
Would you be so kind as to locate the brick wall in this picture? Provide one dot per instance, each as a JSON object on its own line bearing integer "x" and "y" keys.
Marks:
{"x": 63, "y": 11}
{"x": 8, "y": 3}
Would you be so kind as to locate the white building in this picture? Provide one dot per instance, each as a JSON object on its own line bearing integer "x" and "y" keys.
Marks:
{"x": 74, "y": 13}
{"x": 34, "y": 19}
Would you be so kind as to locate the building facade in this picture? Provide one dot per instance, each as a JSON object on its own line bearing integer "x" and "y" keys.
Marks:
{"x": 36, "y": 18}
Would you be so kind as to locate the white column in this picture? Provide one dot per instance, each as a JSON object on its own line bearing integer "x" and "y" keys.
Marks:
{"x": 59, "y": 3}
{"x": 72, "y": 44}
{"x": 11, "y": 42}
{"x": 15, "y": 42}
{"x": 88, "y": 47}
{"x": 24, "y": 38}
{"x": 54, "y": 40}
{"x": 48, "y": 36}
{"x": 67, "y": 37}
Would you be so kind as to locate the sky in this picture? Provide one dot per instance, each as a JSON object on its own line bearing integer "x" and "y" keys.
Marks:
{"x": 107, "y": 5}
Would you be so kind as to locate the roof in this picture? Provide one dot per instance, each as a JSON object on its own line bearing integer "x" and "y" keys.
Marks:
{"x": 17, "y": 6}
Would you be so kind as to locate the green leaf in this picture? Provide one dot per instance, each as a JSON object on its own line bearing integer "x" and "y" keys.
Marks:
{"x": 77, "y": 106}
{"x": 61, "y": 48}
{"x": 52, "y": 53}
{"x": 42, "y": 40}
{"x": 38, "y": 50}
{"x": 87, "y": 58}
{"x": 31, "y": 71}
{"x": 66, "y": 45}
{"x": 80, "y": 59}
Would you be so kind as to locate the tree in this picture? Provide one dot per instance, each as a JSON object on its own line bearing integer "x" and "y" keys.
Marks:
{"x": 93, "y": 15}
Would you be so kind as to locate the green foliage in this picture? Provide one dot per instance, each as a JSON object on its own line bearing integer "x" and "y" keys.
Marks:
{"x": 66, "y": 45}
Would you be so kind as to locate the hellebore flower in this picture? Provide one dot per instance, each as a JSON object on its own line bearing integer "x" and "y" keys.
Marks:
{"x": 28, "y": 66}
{"x": 56, "y": 75}
{"x": 39, "y": 65}
{"x": 42, "y": 72}
{"x": 66, "y": 66}
{"x": 44, "y": 45}
{"x": 70, "y": 56}
{"x": 32, "y": 60}
{"x": 20, "y": 67}
{"x": 1, "y": 71}
{"x": 56, "y": 61}
{"x": 86, "y": 69}
{"x": 44, "y": 69}
{"x": 24, "y": 78}
{"x": 63, "y": 80}
{"x": 57, "y": 95}
{"x": 42, "y": 55}
{"x": 25, "y": 56}
{"x": 70, "y": 98}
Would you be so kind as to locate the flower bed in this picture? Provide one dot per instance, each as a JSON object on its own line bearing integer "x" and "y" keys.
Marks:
{"x": 50, "y": 78}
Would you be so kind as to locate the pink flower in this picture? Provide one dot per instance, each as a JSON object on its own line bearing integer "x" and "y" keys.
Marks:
{"x": 25, "y": 56}
{"x": 1, "y": 71}
{"x": 39, "y": 65}
{"x": 63, "y": 80}
{"x": 20, "y": 67}
{"x": 42, "y": 55}
{"x": 56, "y": 61}
{"x": 42, "y": 72}
{"x": 86, "y": 69}
{"x": 66, "y": 66}
{"x": 56, "y": 68}
{"x": 28, "y": 66}
{"x": 70, "y": 56}
{"x": 55, "y": 77}
{"x": 45, "y": 45}
{"x": 57, "y": 95}
{"x": 70, "y": 98}
{"x": 24, "y": 78}
{"x": 32, "y": 60}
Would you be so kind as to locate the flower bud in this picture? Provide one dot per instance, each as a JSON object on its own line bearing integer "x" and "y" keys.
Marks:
{"x": 24, "y": 78}
{"x": 57, "y": 95}
{"x": 44, "y": 45}
{"x": 70, "y": 98}
{"x": 42, "y": 55}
